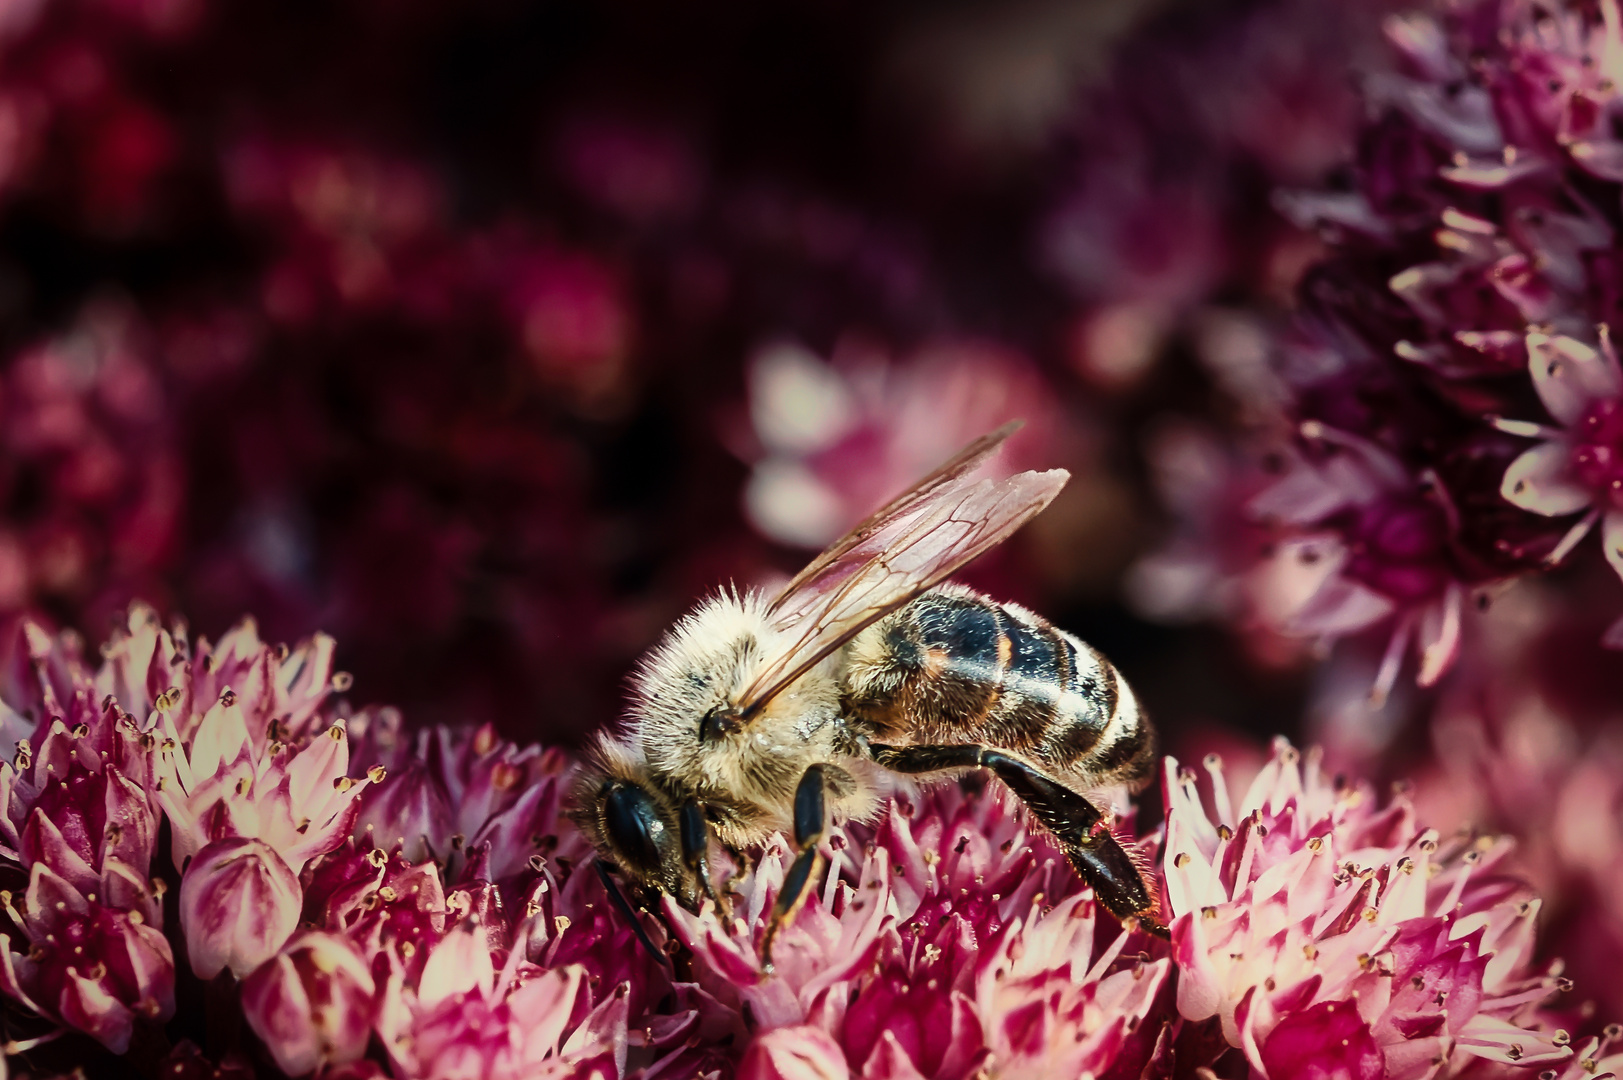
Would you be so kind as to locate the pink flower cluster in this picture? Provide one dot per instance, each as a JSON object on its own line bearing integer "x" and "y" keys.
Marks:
{"x": 947, "y": 940}
{"x": 1328, "y": 935}
{"x": 213, "y": 818}
{"x": 470, "y": 947}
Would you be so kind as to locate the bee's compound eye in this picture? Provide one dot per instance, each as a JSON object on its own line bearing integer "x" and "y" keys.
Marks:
{"x": 634, "y": 827}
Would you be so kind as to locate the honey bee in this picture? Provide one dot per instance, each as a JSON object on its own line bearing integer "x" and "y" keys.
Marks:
{"x": 758, "y": 715}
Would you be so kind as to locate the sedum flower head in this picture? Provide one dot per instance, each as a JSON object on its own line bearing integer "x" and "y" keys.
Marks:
{"x": 1328, "y": 934}
{"x": 252, "y": 785}
{"x": 80, "y": 821}
{"x": 949, "y": 939}
{"x": 457, "y": 796}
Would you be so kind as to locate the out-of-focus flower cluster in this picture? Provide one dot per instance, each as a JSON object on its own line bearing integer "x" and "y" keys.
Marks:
{"x": 1165, "y": 229}
{"x": 431, "y": 359}
{"x": 1447, "y": 383}
{"x": 1436, "y": 442}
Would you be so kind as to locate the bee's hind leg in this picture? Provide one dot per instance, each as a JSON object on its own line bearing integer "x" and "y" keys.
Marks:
{"x": 1075, "y": 822}
{"x": 810, "y": 824}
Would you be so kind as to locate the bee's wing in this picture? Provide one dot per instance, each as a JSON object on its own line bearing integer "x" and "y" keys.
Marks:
{"x": 913, "y": 545}
{"x": 945, "y": 478}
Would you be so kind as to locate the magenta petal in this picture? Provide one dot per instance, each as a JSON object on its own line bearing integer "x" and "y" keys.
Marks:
{"x": 136, "y": 830}
{"x": 238, "y": 903}
{"x": 86, "y": 1004}
{"x": 140, "y": 962}
{"x": 408, "y": 809}
{"x": 44, "y": 842}
{"x": 890, "y": 1061}
{"x": 1325, "y": 1042}
{"x": 1340, "y": 607}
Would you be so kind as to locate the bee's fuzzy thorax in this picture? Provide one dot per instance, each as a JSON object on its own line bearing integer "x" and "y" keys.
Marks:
{"x": 732, "y": 624}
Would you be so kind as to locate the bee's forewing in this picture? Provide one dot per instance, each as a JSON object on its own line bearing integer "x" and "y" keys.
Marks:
{"x": 942, "y": 482}
{"x": 911, "y": 546}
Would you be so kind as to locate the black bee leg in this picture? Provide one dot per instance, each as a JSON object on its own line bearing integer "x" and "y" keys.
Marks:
{"x": 1074, "y": 821}
{"x": 618, "y": 899}
{"x": 696, "y": 848}
{"x": 809, "y": 825}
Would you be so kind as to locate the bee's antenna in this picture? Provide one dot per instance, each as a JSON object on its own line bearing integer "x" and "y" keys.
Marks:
{"x": 612, "y": 887}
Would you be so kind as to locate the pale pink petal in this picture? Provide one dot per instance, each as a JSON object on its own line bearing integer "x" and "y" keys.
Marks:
{"x": 1539, "y": 480}
{"x": 1200, "y": 988}
{"x": 460, "y": 964}
{"x": 1339, "y": 607}
{"x": 543, "y": 1006}
{"x": 312, "y": 1003}
{"x": 1603, "y": 158}
{"x": 1440, "y": 634}
{"x": 794, "y": 1053}
{"x": 1569, "y": 375}
{"x": 220, "y": 738}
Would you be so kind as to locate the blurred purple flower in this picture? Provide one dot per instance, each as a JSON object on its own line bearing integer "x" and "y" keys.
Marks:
{"x": 1374, "y": 545}
{"x": 1311, "y": 921}
{"x": 836, "y": 439}
{"x": 1159, "y": 217}
{"x": 1579, "y": 466}
{"x": 1219, "y": 563}
{"x": 93, "y": 484}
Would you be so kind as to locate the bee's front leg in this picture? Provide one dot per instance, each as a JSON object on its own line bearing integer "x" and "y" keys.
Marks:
{"x": 618, "y": 899}
{"x": 810, "y": 823}
{"x": 743, "y": 867}
{"x": 695, "y": 836}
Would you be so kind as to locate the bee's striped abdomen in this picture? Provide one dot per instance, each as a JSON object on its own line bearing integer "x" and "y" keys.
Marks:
{"x": 954, "y": 667}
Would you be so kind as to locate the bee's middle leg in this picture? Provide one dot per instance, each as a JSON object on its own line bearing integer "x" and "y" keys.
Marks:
{"x": 1075, "y": 822}
{"x": 811, "y": 821}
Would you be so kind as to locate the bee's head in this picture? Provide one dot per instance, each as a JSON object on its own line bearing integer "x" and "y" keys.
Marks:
{"x": 633, "y": 826}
